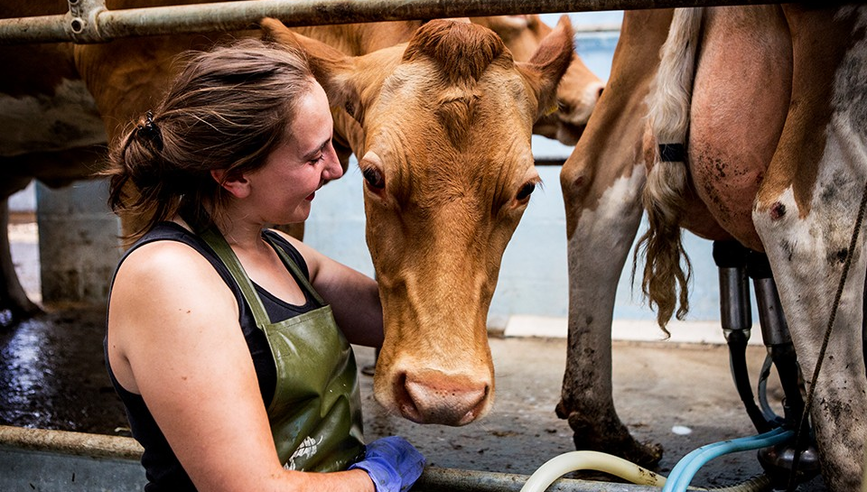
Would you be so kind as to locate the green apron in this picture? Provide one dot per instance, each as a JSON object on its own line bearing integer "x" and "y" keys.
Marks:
{"x": 315, "y": 414}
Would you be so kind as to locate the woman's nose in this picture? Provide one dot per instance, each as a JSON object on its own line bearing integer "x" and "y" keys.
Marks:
{"x": 333, "y": 169}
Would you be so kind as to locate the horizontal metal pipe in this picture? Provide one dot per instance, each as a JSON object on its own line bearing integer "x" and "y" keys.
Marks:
{"x": 550, "y": 161}
{"x": 458, "y": 480}
{"x": 591, "y": 28}
{"x": 105, "y": 25}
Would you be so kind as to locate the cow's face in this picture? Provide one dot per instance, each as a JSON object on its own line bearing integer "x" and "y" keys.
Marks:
{"x": 577, "y": 96}
{"x": 448, "y": 173}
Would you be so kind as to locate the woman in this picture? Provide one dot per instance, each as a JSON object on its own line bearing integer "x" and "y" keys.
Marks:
{"x": 221, "y": 340}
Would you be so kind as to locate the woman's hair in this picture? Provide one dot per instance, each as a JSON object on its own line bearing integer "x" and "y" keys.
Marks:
{"x": 228, "y": 108}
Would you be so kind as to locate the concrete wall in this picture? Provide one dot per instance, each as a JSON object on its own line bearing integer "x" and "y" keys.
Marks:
{"x": 78, "y": 241}
{"x": 24, "y": 200}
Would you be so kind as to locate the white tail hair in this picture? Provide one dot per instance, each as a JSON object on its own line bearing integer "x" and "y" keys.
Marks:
{"x": 668, "y": 113}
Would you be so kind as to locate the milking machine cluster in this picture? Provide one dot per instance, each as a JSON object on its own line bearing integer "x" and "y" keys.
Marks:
{"x": 736, "y": 266}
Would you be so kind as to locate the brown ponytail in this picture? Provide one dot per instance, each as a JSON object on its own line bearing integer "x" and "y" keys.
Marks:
{"x": 227, "y": 109}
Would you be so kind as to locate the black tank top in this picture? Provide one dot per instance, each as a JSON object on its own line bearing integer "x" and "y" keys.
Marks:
{"x": 162, "y": 468}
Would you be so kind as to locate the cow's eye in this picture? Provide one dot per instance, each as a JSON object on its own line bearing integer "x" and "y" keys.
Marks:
{"x": 525, "y": 192}
{"x": 374, "y": 178}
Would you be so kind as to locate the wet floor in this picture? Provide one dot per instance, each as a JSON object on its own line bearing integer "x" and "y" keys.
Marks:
{"x": 52, "y": 375}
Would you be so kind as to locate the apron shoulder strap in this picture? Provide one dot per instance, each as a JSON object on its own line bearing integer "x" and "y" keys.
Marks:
{"x": 296, "y": 270}
{"x": 218, "y": 243}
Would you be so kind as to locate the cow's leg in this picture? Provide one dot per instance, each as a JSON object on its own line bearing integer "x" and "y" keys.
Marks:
{"x": 601, "y": 227}
{"x": 15, "y": 306}
{"x": 805, "y": 214}
{"x": 807, "y": 255}
{"x": 602, "y": 182}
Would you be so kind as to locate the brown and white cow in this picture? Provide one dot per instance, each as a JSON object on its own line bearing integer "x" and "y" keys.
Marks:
{"x": 770, "y": 103}
{"x": 447, "y": 121}
{"x": 577, "y": 93}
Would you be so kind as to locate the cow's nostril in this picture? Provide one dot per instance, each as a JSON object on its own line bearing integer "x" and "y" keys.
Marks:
{"x": 404, "y": 401}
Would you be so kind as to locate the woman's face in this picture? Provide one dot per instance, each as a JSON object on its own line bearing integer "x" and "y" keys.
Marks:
{"x": 283, "y": 188}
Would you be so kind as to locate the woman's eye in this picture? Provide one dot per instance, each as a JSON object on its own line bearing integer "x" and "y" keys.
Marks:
{"x": 525, "y": 191}
{"x": 374, "y": 178}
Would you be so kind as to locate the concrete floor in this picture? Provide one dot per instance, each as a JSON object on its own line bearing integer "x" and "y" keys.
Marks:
{"x": 678, "y": 395}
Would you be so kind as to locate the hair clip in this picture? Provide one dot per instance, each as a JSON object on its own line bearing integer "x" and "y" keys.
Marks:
{"x": 150, "y": 131}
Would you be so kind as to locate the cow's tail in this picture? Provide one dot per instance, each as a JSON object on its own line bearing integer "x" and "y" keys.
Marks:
{"x": 667, "y": 269}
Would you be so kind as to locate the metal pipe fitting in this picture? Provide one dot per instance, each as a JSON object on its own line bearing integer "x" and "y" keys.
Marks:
{"x": 775, "y": 331}
{"x": 735, "y": 305}
{"x": 81, "y": 23}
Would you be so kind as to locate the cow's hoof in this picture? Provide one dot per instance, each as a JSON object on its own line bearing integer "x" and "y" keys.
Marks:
{"x": 609, "y": 435}
{"x": 646, "y": 455}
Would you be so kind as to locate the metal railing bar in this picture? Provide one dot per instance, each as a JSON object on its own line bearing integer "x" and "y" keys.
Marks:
{"x": 96, "y": 24}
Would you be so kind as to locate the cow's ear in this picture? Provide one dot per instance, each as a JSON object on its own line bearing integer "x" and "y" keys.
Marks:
{"x": 548, "y": 64}
{"x": 334, "y": 71}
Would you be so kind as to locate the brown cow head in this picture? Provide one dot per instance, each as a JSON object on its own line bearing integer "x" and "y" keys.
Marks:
{"x": 447, "y": 122}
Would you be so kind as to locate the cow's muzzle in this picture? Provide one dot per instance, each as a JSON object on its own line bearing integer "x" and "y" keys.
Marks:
{"x": 430, "y": 396}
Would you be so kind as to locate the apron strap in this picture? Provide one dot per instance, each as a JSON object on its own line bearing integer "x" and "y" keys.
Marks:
{"x": 218, "y": 243}
{"x": 296, "y": 270}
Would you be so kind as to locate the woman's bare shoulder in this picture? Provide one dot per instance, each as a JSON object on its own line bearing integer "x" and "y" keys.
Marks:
{"x": 164, "y": 277}
{"x": 163, "y": 257}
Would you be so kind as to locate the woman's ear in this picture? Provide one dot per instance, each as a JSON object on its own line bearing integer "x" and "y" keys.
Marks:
{"x": 233, "y": 182}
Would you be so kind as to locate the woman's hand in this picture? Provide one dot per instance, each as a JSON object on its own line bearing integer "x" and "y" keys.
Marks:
{"x": 392, "y": 463}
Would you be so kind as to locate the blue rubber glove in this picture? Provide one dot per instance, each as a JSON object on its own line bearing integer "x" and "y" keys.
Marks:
{"x": 392, "y": 463}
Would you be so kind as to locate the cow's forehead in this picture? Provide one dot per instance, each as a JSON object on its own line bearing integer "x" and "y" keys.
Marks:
{"x": 423, "y": 83}
{"x": 421, "y": 112}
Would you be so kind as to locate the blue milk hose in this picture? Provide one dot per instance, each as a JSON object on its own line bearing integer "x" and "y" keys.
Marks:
{"x": 682, "y": 474}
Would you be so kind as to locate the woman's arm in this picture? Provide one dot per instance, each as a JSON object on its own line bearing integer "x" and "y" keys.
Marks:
{"x": 353, "y": 296}
{"x": 174, "y": 338}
